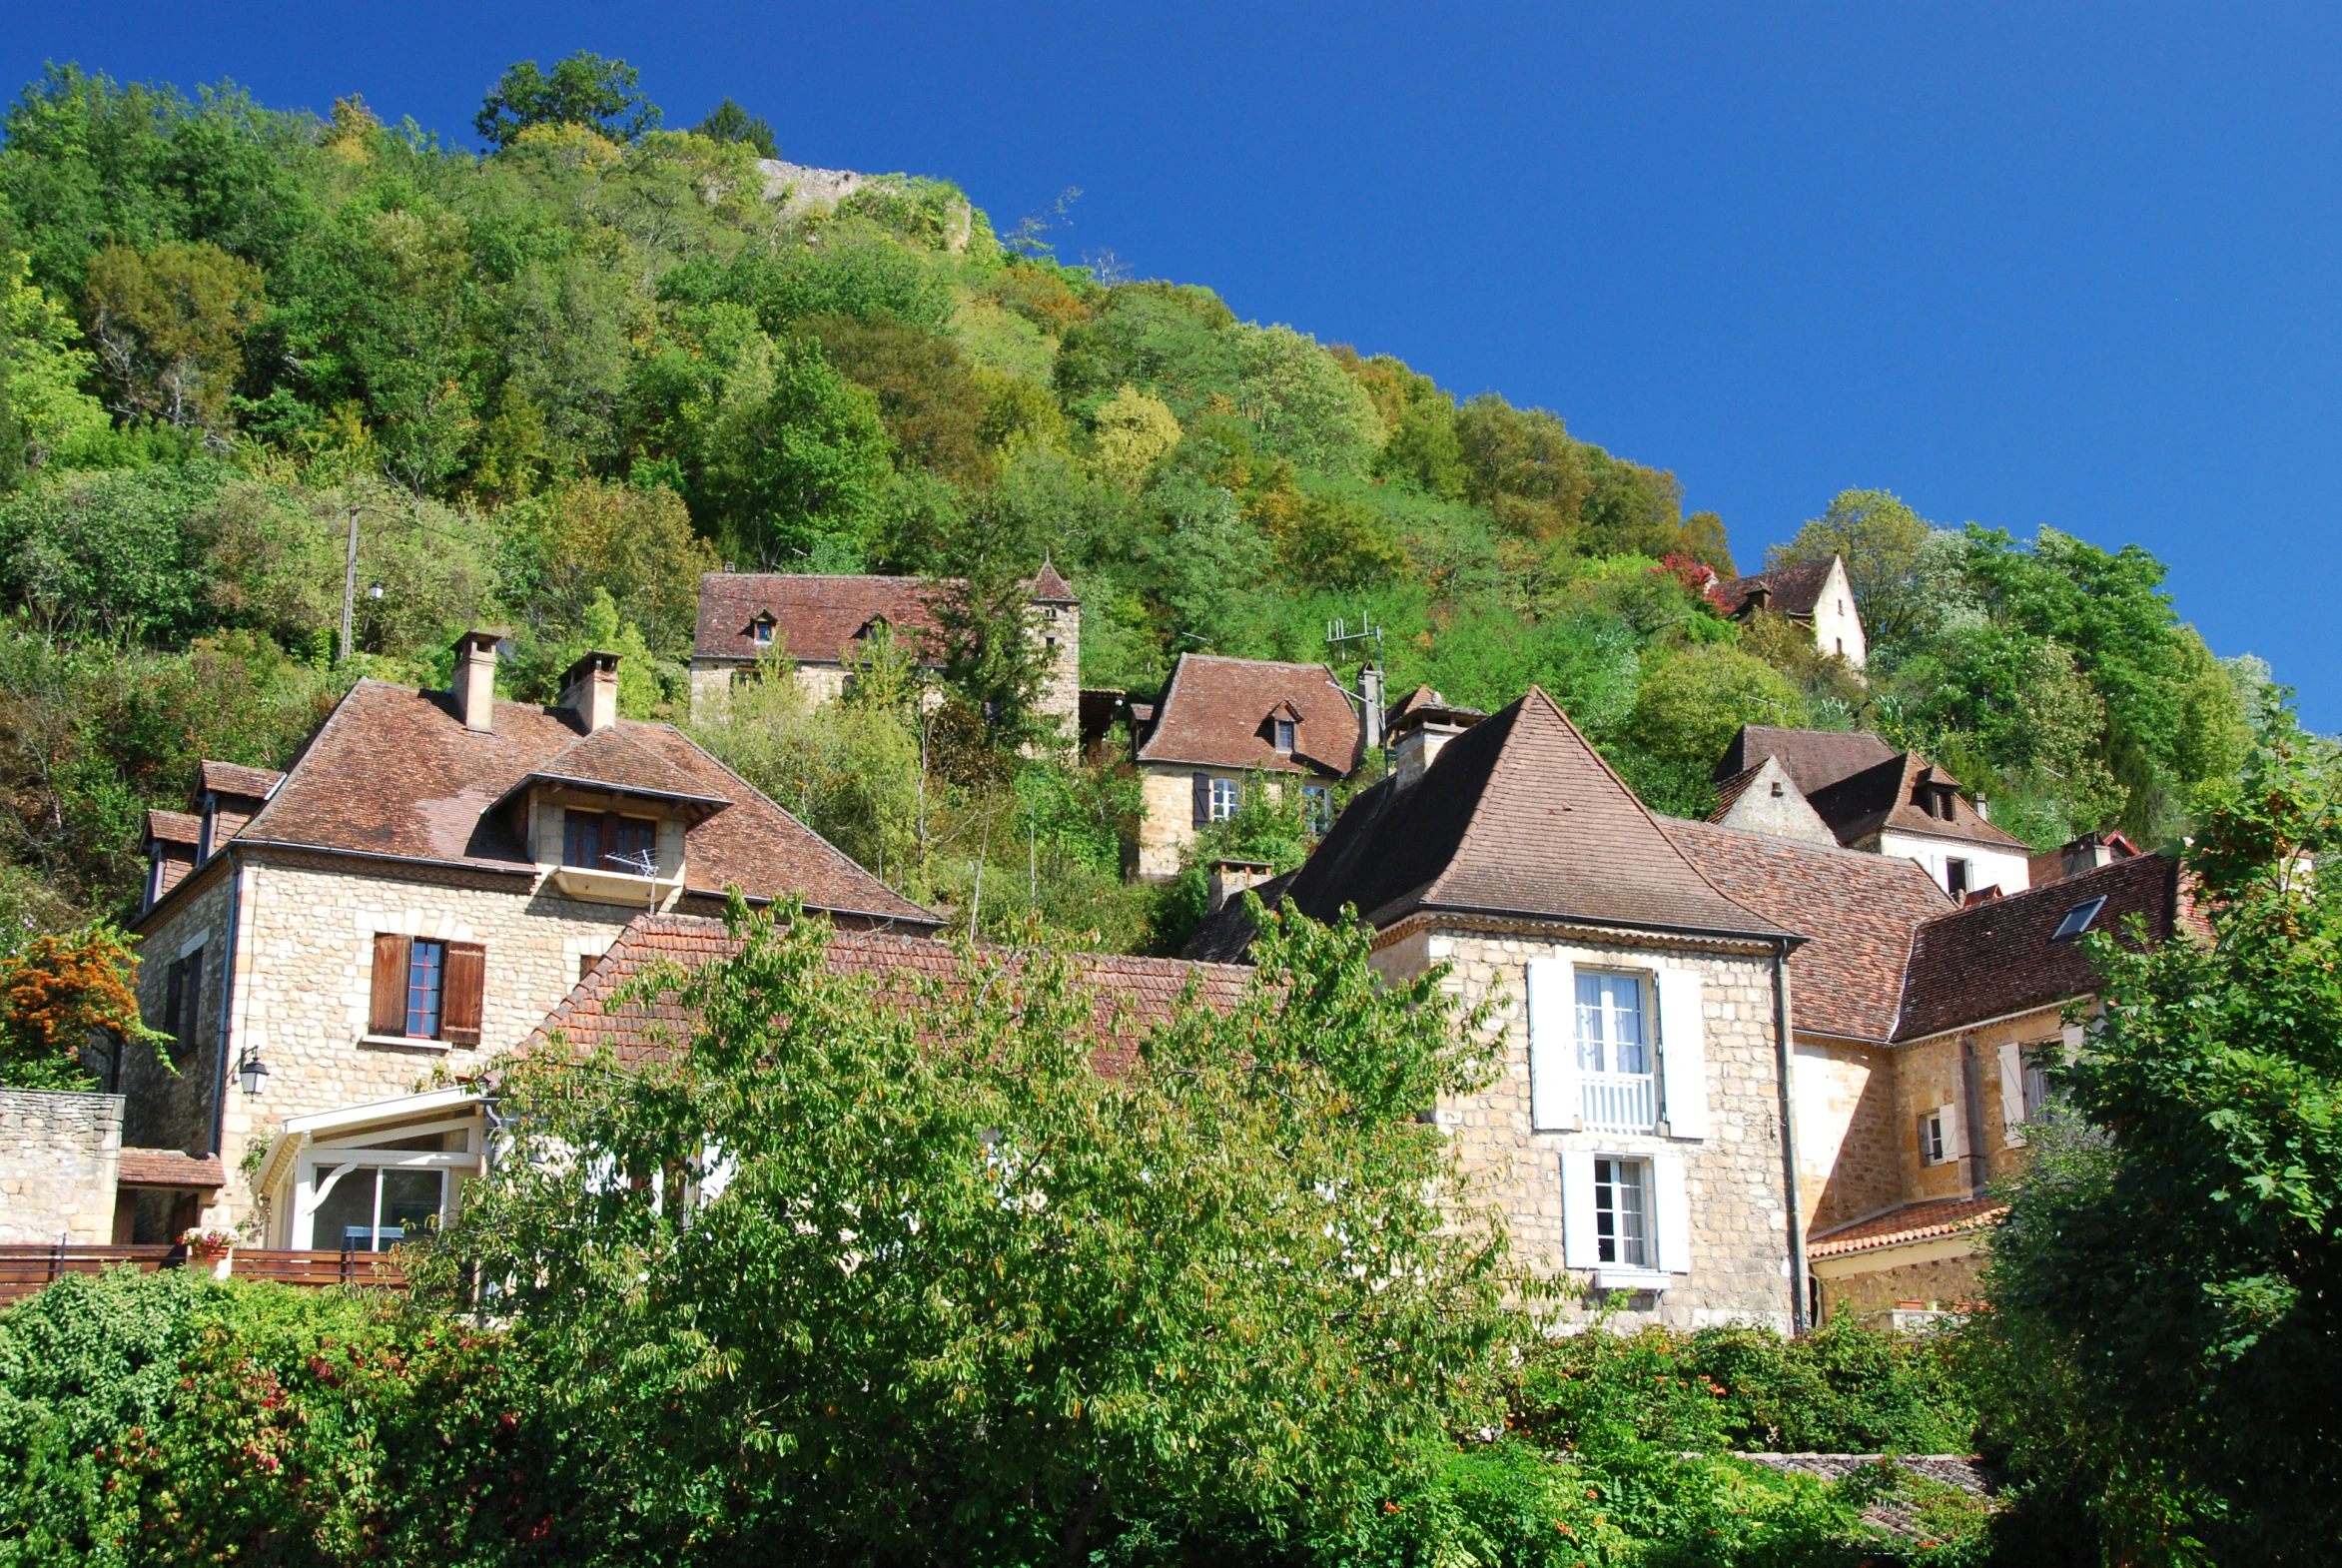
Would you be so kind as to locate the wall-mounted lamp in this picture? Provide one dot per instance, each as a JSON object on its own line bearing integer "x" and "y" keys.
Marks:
{"x": 251, "y": 1072}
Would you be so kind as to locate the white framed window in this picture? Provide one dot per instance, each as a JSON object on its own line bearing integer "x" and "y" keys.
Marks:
{"x": 1614, "y": 1050}
{"x": 1955, "y": 875}
{"x": 1223, "y": 799}
{"x": 1622, "y": 1213}
{"x": 1317, "y": 805}
{"x": 1284, "y": 734}
{"x": 1935, "y": 1141}
{"x": 2036, "y": 1059}
{"x": 370, "y": 1208}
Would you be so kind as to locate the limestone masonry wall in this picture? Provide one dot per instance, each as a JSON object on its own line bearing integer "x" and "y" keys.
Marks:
{"x": 1940, "y": 1283}
{"x": 1739, "y": 1245}
{"x": 170, "y": 1096}
{"x": 59, "y": 1156}
{"x": 1849, "y": 1160}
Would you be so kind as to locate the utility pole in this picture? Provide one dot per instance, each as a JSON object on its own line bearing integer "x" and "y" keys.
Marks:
{"x": 350, "y": 582}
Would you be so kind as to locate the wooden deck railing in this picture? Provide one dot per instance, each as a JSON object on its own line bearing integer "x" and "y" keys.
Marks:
{"x": 27, "y": 1268}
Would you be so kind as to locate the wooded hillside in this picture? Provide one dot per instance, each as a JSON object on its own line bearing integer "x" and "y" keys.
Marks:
{"x": 558, "y": 382}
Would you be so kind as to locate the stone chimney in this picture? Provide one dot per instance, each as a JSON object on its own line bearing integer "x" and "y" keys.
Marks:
{"x": 1370, "y": 705}
{"x": 1231, "y": 877}
{"x": 1420, "y": 732}
{"x": 589, "y": 689}
{"x": 2094, "y": 850}
{"x": 474, "y": 686}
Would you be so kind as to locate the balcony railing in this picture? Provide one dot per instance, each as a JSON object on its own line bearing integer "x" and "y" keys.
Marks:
{"x": 1620, "y": 1102}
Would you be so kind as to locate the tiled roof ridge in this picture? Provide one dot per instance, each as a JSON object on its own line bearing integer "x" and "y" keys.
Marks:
{"x": 1538, "y": 694}
{"x": 256, "y": 828}
{"x": 1929, "y": 1219}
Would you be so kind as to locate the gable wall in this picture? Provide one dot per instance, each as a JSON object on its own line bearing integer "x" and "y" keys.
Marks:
{"x": 1838, "y": 622}
{"x": 1739, "y": 1247}
{"x": 1849, "y": 1160}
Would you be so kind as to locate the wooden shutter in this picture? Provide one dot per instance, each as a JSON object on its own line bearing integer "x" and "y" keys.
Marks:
{"x": 459, "y": 993}
{"x": 1683, "y": 1053}
{"x": 1203, "y": 800}
{"x": 174, "y": 996}
{"x": 1671, "y": 1221}
{"x": 1553, "y": 1045}
{"x": 2012, "y": 1106}
{"x": 388, "y": 1016}
{"x": 1954, "y": 1132}
{"x": 191, "y": 1000}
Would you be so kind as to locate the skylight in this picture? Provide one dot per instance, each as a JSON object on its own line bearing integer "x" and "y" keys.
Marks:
{"x": 2077, "y": 919}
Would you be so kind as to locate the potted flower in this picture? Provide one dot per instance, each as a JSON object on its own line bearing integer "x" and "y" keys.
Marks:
{"x": 210, "y": 1247}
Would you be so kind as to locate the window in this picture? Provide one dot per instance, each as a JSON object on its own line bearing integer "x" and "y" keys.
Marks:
{"x": 1284, "y": 735}
{"x": 427, "y": 989}
{"x": 1955, "y": 877}
{"x": 2036, "y": 1077}
{"x": 2077, "y": 919}
{"x": 426, "y": 969}
{"x": 1622, "y": 1226}
{"x": 606, "y": 841}
{"x": 1931, "y": 1145}
{"x": 1614, "y": 1053}
{"x": 375, "y": 1208}
{"x": 761, "y": 631}
{"x": 182, "y": 1002}
{"x": 1223, "y": 799}
{"x": 1318, "y": 804}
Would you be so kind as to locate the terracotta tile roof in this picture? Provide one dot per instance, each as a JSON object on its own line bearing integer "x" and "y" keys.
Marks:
{"x": 1214, "y": 713}
{"x": 1795, "y": 589}
{"x": 1997, "y": 957}
{"x": 1883, "y": 797}
{"x": 816, "y": 618}
{"x": 173, "y": 827}
{"x": 1857, "y": 912}
{"x": 1133, "y": 994}
{"x": 1430, "y": 706}
{"x": 394, "y": 772}
{"x": 230, "y": 778}
{"x": 1518, "y": 815}
{"x": 1814, "y": 758}
{"x": 170, "y": 1168}
{"x": 1050, "y": 589}
{"x": 1911, "y": 1222}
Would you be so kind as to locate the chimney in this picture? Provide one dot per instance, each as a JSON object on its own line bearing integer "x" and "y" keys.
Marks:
{"x": 1422, "y": 731}
{"x": 1228, "y": 878}
{"x": 2094, "y": 850}
{"x": 474, "y": 686}
{"x": 589, "y": 689}
{"x": 1370, "y": 705}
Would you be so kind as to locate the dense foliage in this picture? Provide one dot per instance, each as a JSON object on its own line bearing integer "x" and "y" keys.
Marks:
{"x": 2165, "y": 1339}
{"x": 553, "y": 385}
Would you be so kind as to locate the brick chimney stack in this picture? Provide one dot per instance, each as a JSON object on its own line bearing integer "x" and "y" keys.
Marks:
{"x": 474, "y": 686}
{"x": 589, "y": 689}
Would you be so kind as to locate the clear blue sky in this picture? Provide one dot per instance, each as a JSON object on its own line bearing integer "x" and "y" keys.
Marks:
{"x": 2058, "y": 265}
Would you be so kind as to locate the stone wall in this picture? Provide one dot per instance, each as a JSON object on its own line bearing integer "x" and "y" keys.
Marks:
{"x": 171, "y": 1098}
{"x": 304, "y": 984}
{"x": 1059, "y": 627}
{"x": 1739, "y": 1244}
{"x": 1850, "y": 1161}
{"x": 59, "y": 1157}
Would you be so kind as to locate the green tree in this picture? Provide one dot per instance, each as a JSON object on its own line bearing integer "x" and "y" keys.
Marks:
{"x": 2166, "y": 1336}
{"x": 1881, "y": 539}
{"x": 808, "y": 461}
{"x": 729, "y": 122}
{"x": 1686, "y": 712}
{"x": 583, "y": 89}
{"x": 902, "y": 1275}
{"x": 45, "y": 368}
{"x": 1523, "y": 467}
{"x": 170, "y": 328}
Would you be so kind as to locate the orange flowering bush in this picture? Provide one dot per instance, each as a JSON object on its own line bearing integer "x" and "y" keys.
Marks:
{"x": 58, "y": 990}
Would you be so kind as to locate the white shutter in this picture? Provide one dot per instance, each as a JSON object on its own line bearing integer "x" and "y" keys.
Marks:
{"x": 1673, "y": 1200}
{"x": 1683, "y": 1053}
{"x": 1954, "y": 1132}
{"x": 2012, "y": 1106}
{"x": 1553, "y": 1046}
{"x": 2075, "y": 1035}
{"x": 1579, "y": 1247}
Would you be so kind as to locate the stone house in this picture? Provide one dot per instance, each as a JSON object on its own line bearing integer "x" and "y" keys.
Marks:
{"x": 1222, "y": 722}
{"x": 1637, "y": 1134}
{"x": 822, "y": 624}
{"x": 1815, "y": 595}
{"x": 1867, "y": 797}
{"x": 432, "y": 874}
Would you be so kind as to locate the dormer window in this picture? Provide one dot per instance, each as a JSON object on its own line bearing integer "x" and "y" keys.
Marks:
{"x": 760, "y": 630}
{"x": 1284, "y": 737}
{"x": 606, "y": 841}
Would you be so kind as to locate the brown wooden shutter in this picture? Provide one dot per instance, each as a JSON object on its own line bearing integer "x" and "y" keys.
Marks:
{"x": 459, "y": 993}
{"x": 389, "y": 1008}
{"x": 192, "y": 1001}
{"x": 1203, "y": 800}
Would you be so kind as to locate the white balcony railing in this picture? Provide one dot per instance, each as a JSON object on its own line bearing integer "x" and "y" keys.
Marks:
{"x": 1620, "y": 1102}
